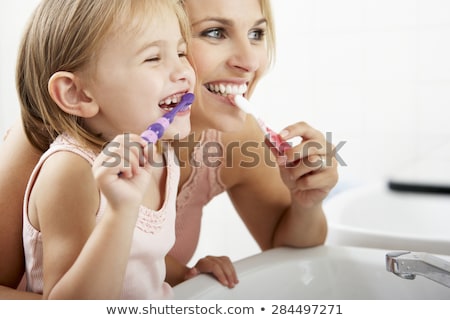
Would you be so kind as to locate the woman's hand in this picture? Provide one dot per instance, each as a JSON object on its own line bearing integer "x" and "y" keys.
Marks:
{"x": 308, "y": 169}
{"x": 220, "y": 267}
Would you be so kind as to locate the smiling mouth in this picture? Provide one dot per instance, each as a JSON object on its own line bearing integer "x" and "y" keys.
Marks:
{"x": 224, "y": 89}
{"x": 169, "y": 103}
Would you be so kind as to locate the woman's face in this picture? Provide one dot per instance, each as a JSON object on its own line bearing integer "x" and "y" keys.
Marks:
{"x": 229, "y": 53}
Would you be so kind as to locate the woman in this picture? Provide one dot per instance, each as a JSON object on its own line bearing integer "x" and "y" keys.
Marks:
{"x": 281, "y": 205}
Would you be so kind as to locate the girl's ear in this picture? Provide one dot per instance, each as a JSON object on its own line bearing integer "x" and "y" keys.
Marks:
{"x": 65, "y": 89}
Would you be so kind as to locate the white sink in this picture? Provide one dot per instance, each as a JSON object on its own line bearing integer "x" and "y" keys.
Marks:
{"x": 325, "y": 272}
{"x": 376, "y": 217}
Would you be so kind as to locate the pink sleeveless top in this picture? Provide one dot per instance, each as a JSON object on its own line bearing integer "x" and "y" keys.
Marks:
{"x": 153, "y": 236}
{"x": 203, "y": 184}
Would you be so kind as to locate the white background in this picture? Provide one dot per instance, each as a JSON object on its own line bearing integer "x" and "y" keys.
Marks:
{"x": 374, "y": 73}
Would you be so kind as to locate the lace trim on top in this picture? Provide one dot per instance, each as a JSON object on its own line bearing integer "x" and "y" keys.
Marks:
{"x": 151, "y": 221}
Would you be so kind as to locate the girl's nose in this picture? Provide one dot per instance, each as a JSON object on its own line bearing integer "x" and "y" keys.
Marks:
{"x": 182, "y": 71}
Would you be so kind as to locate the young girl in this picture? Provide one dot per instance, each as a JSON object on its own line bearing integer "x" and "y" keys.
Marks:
{"x": 99, "y": 221}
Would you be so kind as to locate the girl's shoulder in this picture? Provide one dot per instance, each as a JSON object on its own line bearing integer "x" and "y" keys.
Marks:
{"x": 62, "y": 183}
{"x": 64, "y": 172}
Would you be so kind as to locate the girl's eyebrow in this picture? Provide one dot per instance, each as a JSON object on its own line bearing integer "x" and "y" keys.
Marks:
{"x": 157, "y": 43}
{"x": 227, "y": 22}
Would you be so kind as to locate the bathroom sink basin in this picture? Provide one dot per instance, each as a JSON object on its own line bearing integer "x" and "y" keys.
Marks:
{"x": 324, "y": 272}
{"x": 375, "y": 216}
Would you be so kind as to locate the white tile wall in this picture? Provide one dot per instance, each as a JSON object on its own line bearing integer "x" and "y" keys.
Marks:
{"x": 375, "y": 73}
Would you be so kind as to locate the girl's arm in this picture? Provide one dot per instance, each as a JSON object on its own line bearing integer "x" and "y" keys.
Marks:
{"x": 82, "y": 259}
{"x": 7, "y": 293}
{"x": 17, "y": 160}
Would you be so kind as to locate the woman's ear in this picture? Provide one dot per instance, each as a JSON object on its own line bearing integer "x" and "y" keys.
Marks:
{"x": 66, "y": 90}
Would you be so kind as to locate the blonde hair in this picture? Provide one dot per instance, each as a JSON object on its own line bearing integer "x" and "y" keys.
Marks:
{"x": 65, "y": 35}
{"x": 270, "y": 35}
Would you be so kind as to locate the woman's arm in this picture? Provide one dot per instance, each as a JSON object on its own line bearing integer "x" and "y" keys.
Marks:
{"x": 17, "y": 160}
{"x": 281, "y": 205}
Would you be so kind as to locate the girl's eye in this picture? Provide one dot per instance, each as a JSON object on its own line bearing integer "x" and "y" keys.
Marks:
{"x": 182, "y": 54}
{"x": 153, "y": 59}
{"x": 256, "y": 34}
{"x": 216, "y": 33}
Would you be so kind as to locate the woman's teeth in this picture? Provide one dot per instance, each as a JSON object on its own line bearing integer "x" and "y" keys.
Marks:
{"x": 226, "y": 89}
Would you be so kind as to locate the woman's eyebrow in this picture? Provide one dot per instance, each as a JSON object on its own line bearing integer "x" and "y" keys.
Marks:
{"x": 227, "y": 22}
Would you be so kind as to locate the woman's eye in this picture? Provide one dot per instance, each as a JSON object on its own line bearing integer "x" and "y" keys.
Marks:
{"x": 182, "y": 54}
{"x": 215, "y": 33}
{"x": 256, "y": 34}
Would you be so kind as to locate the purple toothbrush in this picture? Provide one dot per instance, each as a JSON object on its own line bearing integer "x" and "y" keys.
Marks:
{"x": 156, "y": 130}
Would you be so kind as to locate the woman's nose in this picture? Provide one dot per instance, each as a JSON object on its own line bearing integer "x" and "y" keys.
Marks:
{"x": 245, "y": 56}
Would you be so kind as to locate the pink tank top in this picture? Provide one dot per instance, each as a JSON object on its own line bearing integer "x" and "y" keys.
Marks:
{"x": 203, "y": 184}
{"x": 153, "y": 236}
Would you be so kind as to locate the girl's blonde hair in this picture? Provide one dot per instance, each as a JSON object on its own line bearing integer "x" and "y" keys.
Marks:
{"x": 65, "y": 35}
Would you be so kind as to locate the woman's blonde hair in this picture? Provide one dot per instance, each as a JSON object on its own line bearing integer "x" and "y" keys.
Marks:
{"x": 271, "y": 39}
{"x": 65, "y": 35}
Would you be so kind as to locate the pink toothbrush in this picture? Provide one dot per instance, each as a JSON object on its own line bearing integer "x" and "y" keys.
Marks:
{"x": 273, "y": 140}
{"x": 156, "y": 130}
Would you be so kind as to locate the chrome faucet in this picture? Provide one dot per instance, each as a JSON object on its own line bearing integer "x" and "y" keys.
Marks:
{"x": 407, "y": 265}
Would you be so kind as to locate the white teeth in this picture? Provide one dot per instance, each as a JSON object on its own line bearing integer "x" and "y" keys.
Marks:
{"x": 171, "y": 100}
{"x": 226, "y": 89}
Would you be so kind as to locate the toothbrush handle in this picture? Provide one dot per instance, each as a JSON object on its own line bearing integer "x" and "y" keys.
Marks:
{"x": 156, "y": 130}
{"x": 275, "y": 142}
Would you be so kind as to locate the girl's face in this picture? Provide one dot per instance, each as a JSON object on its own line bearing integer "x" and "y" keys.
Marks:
{"x": 138, "y": 75}
{"x": 229, "y": 54}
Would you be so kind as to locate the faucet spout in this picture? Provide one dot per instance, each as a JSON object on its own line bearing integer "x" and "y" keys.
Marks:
{"x": 407, "y": 265}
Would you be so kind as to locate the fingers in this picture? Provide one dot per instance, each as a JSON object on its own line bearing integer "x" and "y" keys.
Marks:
{"x": 220, "y": 267}
{"x": 191, "y": 273}
{"x": 312, "y": 142}
{"x": 124, "y": 155}
{"x": 309, "y": 165}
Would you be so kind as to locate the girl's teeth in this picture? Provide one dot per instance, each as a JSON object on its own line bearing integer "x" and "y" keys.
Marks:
{"x": 170, "y": 101}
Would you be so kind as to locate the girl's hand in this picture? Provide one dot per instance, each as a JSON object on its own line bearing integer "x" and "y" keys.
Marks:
{"x": 308, "y": 169}
{"x": 122, "y": 170}
{"x": 220, "y": 267}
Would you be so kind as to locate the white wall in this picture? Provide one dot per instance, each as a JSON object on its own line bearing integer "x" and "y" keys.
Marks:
{"x": 374, "y": 73}
{"x": 13, "y": 17}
